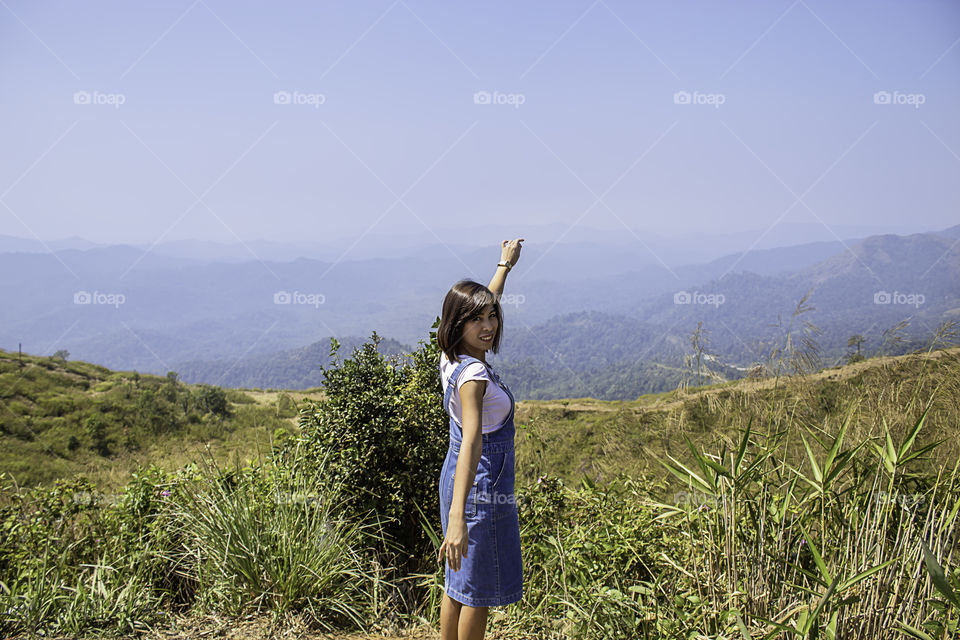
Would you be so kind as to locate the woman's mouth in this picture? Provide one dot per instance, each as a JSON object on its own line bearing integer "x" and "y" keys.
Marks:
{"x": 486, "y": 338}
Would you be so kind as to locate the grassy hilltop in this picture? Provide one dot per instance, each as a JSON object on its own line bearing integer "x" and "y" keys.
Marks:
{"x": 584, "y": 437}
{"x": 59, "y": 418}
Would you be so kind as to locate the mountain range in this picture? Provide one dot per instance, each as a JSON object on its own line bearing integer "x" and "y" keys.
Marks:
{"x": 594, "y": 317}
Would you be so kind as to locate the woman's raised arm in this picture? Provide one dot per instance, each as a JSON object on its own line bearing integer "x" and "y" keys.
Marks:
{"x": 509, "y": 250}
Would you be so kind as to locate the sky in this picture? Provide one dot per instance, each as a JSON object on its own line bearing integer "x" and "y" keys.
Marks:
{"x": 304, "y": 121}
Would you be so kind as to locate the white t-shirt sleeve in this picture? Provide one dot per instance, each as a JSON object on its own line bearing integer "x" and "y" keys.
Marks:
{"x": 473, "y": 371}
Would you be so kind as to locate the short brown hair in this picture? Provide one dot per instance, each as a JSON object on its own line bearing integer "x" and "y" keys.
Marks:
{"x": 465, "y": 300}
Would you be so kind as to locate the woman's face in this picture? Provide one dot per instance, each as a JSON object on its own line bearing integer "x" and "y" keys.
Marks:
{"x": 483, "y": 325}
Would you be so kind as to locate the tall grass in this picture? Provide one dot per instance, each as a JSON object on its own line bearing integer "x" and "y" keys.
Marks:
{"x": 830, "y": 549}
{"x": 264, "y": 538}
{"x": 267, "y": 539}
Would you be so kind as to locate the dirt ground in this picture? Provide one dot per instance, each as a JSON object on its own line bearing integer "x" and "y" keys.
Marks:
{"x": 251, "y": 628}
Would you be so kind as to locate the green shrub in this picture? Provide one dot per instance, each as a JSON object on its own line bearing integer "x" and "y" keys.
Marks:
{"x": 387, "y": 432}
{"x": 210, "y": 399}
{"x": 95, "y": 429}
{"x": 286, "y": 406}
{"x": 54, "y": 404}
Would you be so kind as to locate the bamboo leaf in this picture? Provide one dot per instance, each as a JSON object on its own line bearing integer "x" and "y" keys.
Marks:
{"x": 938, "y": 576}
{"x": 882, "y": 454}
{"x": 891, "y": 451}
{"x": 863, "y": 575}
{"x": 814, "y": 485}
{"x": 686, "y": 475}
{"x": 705, "y": 463}
{"x": 778, "y": 627}
{"x": 787, "y": 500}
{"x": 823, "y": 601}
{"x": 813, "y": 462}
{"x": 949, "y": 520}
{"x": 817, "y": 558}
{"x": 837, "y": 443}
{"x": 742, "y": 449}
{"x": 913, "y": 632}
{"x": 842, "y": 462}
{"x": 913, "y": 434}
{"x": 922, "y": 450}
{"x": 832, "y": 626}
{"x": 668, "y": 510}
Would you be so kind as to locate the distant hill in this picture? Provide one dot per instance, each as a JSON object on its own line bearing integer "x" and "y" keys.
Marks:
{"x": 557, "y": 362}
{"x": 223, "y": 322}
{"x": 59, "y": 418}
{"x": 865, "y": 289}
{"x": 288, "y": 369}
{"x": 950, "y": 232}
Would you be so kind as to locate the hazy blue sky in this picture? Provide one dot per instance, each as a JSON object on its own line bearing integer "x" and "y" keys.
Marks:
{"x": 588, "y": 128}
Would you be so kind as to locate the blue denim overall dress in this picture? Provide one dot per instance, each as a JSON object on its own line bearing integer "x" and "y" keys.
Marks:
{"x": 491, "y": 573}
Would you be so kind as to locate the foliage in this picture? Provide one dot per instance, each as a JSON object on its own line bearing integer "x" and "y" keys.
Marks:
{"x": 74, "y": 560}
{"x": 806, "y": 508}
{"x": 383, "y": 424}
{"x": 61, "y": 418}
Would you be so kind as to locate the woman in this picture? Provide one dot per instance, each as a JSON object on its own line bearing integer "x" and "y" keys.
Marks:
{"x": 478, "y": 508}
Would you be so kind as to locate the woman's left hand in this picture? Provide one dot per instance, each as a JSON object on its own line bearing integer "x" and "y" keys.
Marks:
{"x": 510, "y": 250}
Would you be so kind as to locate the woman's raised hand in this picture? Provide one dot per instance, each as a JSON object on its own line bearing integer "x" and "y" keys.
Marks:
{"x": 510, "y": 250}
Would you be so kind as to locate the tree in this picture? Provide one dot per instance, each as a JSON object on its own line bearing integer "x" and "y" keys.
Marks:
{"x": 384, "y": 434}
{"x": 97, "y": 432}
{"x": 855, "y": 341}
{"x": 61, "y": 354}
{"x": 211, "y": 399}
{"x": 169, "y": 389}
{"x": 699, "y": 341}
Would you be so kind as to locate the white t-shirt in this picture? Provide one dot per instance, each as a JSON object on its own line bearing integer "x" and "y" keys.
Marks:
{"x": 496, "y": 402}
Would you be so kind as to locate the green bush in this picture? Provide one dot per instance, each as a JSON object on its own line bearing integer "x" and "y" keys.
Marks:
{"x": 96, "y": 430}
{"x": 387, "y": 432}
{"x": 210, "y": 399}
{"x": 54, "y": 404}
